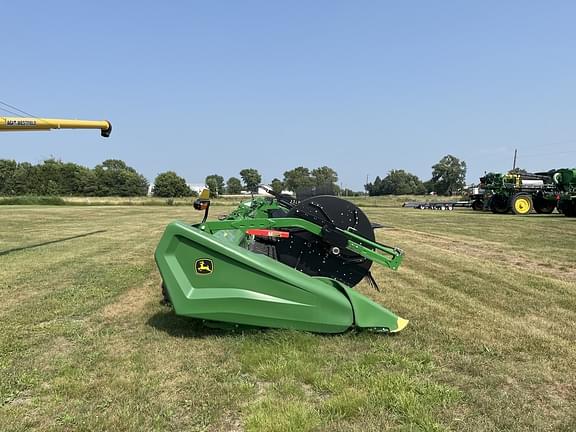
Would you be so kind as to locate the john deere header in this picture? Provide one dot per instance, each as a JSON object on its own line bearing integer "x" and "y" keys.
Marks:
{"x": 33, "y": 123}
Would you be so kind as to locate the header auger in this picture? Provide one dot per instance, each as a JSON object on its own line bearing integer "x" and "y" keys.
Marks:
{"x": 43, "y": 124}
{"x": 277, "y": 262}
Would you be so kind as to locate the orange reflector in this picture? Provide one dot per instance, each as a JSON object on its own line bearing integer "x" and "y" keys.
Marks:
{"x": 268, "y": 233}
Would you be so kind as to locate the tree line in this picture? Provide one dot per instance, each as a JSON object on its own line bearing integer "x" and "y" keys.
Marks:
{"x": 114, "y": 177}
{"x": 170, "y": 184}
{"x": 448, "y": 177}
{"x": 53, "y": 177}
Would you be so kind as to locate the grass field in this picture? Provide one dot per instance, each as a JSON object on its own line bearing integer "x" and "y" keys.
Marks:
{"x": 85, "y": 344}
{"x": 224, "y": 200}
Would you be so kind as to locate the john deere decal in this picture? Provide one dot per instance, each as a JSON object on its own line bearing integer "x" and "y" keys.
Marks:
{"x": 204, "y": 266}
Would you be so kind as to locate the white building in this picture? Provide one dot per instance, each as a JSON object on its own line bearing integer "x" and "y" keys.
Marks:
{"x": 197, "y": 187}
{"x": 194, "y": 187}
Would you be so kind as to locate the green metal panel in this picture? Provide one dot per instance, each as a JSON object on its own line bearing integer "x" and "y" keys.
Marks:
{"x": 244, "y": 287}
{"x": 565, "y": 178}
{"x": 367, "y": 313}
{"x": 251, "y": 289}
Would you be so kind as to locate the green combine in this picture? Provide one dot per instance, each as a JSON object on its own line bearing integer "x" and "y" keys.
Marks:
{"x": 277, "y": 262}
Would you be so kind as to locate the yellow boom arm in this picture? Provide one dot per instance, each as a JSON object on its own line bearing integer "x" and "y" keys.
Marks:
{"x": 32, "y": 123}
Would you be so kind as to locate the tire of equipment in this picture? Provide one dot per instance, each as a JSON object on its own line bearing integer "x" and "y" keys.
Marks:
{"x": 478, "y": 205}
{"x": 543, "y": 205}
{"x": 521, "y": 204}
{"x": 568, "y": 208}
{"x": 499, "y": 204}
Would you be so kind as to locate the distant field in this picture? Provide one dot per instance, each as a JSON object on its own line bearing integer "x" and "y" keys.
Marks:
{"x": 398, "y": 200}
{"x": 85, "y": 344}
{"x": 380, "y": 201}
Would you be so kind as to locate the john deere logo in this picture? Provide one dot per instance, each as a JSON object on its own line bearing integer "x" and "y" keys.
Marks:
{"x": 204, "y": 266}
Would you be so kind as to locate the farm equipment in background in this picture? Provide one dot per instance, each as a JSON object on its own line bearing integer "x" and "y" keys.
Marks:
{"x": 277, "y": 262}
{"x": 8, "y": 124}
{"x": 523, "y": 192}
{"x": 565, "y": 181}
{"x": 430, "y": 205}
{"x": 517, "y": 192}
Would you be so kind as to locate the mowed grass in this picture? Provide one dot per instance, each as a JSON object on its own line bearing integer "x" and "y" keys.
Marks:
{"x": 85, "y": 344}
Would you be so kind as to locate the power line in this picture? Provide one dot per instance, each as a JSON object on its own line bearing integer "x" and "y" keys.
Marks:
{"x": 17, "y": 109}
{"x": 17, "y": 114}
{"x": 10, "y": 112}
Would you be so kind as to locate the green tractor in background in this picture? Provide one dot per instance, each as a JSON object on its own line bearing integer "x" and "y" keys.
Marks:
{"x": 565, "y": 181}
{"x": 517, "y": 192}
{"x": 521, "y": 192}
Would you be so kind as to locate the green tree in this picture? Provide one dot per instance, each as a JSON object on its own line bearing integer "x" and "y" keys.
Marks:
{"x": 277, "y": 186}
{"x": 47, "y": 177}
{"x": 399, "y": 182}
{"x": 429, "y": 185}
{"x": 55, "y": 177}
{"x": 212, "y": 184}
{"x": 7, "y": 170}
{"x": 251, "y": 179}
{"x": 23, "y": 181}
{"x": 448, "y": 175}
{"x": 90, "y": 184}
{"x": 115, "y": 178}
{"x": 170, "y": 185}
{"x": 233, "y": 186}
{"x": 297, "y": 178}
{"x": 324, "y": 176}
{"x": 74, "y": 179}
{"x": 116, "y": 164}
{"x": 219, "y": 181}
{"x": 374, "y": 189}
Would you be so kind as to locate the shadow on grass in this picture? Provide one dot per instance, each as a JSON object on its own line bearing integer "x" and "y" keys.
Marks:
{"x": 186, "y": 327}
{"x": 32, "y": 246}
{"x": 179, "y": 326}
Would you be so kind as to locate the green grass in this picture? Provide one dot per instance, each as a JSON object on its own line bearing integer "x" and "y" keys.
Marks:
{"x": 116, "y": 201}
{"x": 364, "y": 201}
{"x": 32, "y": 200}
{"x": 95, "y": 201}
{"x": 85, "y": 344}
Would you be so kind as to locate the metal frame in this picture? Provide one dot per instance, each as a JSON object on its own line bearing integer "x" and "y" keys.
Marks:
{"x": 356, "y": 243}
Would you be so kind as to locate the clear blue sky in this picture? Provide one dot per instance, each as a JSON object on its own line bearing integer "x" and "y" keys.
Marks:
{"x": 364, "y": 87}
